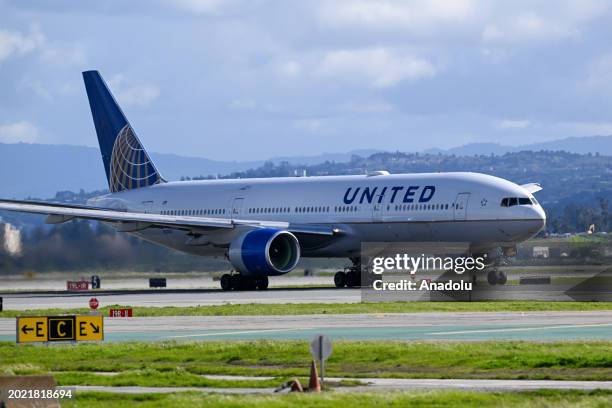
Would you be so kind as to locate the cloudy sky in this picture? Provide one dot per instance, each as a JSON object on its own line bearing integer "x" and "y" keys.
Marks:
{"x": 231, "y": 79}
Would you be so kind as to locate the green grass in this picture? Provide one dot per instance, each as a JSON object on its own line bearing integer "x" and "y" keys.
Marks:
{"x": 254, "y": 309}
{"x": 148, "y": 377}
{"x": 180, "y": 362}
{"x": 438, "y": 399}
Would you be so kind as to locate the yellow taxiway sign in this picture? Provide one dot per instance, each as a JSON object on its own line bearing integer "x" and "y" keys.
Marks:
{"x": 31, "y": 329}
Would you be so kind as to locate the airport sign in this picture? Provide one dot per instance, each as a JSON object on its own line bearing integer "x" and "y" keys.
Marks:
{"x": 123, "y": 312}
{"x": 93, "y": 303}
{"x": 89, "y": 328}
{"x": 61, "y": 328}
{"x": 77, "y": 285}
{"x": 321, "y": 348}
{"x": 32, "y": 329}
{"x": 43, "y": 329}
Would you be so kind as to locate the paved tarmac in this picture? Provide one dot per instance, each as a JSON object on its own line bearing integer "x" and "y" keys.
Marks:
{"x": 205, "y": 297}
{"x": 539, "y": 326}
{"x": 177, "y": 297}
{"x": 382, "y": 384}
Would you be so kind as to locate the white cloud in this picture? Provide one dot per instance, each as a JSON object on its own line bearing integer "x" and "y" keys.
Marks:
{"x": 17, "y": 43}
{"x": 243, "y": 104}
{"x": 599, "y": 73}
{"x": 512, "y": 124}
{"x": 201, "y": 6}
{"x": 540, "y": 21}
{"x": 379, "y": 67}
{"x": 141, "y": 95}
{"x": 133, "y": 95}
{"x": 367, "y": 107}
{"x": 64, "y": 54}
{"x": 528, "y": 27}
{"x": 290, "y": 69}
{"x": 313, "y": 125}
{"x": 18, "y": 132}
{"x": 393, "y": 14}
{"x": 587, "y": 128}
{"x": 488, "y": 21}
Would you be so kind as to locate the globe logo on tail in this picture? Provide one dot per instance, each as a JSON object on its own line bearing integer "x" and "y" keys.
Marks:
{"x": 130, "y": 165}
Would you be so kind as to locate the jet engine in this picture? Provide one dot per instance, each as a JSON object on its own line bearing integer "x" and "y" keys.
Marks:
{"x": 264, "y": 252}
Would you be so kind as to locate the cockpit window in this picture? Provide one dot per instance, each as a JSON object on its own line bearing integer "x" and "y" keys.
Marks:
{"x": 512, "y": 201}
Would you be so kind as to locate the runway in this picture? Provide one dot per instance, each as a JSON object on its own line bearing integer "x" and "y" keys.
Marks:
{"x": 381, "y": 384}
{"x": 176, "y": 297}
{"x": 209, "y": 297}
{"x": 539, "y": 326}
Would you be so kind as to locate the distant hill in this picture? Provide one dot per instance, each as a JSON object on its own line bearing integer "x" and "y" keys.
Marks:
{"x": 325, "y": 157}
{"x": 41, "y": 170}
{"x": 581, "y": 145}
{"x": 577, "y": 187}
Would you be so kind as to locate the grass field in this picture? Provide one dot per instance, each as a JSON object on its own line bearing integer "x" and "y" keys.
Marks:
{"x": 182, "y": 364}
{"x": 336, "y": 308}
{"x": 438, "y": 399}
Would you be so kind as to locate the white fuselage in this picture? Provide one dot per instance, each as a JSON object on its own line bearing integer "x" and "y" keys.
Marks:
{"x": 426, "y": 207}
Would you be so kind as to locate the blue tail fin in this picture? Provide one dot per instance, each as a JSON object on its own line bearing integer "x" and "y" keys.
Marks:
{"x": 127, "y": 164}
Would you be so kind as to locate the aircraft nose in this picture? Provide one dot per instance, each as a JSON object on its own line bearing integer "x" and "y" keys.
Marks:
{"x": 537, "y": 213}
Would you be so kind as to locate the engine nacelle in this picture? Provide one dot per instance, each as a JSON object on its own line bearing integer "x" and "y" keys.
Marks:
{"x": 265, "y": 251}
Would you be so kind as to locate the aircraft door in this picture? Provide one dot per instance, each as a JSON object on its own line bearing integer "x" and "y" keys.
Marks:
{"x": 237, "y": 207}
{"x": 148, "y": 206}
{"x": 377, "y": 212}
{"x": 378, "y": 209}
{"x": 461, "y": 204}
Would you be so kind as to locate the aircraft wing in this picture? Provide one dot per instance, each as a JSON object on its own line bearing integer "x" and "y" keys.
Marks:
{"x": 532, "y": 187}
{"x": 133, "y": 221}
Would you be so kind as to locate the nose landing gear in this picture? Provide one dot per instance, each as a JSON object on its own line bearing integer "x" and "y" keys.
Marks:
{"x": 497, "y": 277}
{"x": 350, "y": 277}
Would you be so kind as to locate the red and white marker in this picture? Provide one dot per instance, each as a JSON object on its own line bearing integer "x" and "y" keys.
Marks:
{"x": 93, "y": 303}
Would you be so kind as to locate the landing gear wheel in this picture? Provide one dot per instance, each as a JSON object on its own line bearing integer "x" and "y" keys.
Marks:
{"x": 352, "y": 279}
{"x": 501, "y": 278}
{"x": 262, "y": 282}
{"x": 492, "y": 277}
{"x": 250, "y": 283}
{"x": 340, "y": 279}
{"x": 226, "y": 282}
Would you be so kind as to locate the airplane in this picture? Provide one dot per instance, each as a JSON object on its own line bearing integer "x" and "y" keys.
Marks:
{"x": 263, "y": 226}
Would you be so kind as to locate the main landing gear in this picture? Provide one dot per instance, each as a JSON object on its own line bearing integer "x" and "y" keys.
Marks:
{"x": 350, "y": 277}
{"x": 493, "y": 260}
{"x": 239, "y": 282}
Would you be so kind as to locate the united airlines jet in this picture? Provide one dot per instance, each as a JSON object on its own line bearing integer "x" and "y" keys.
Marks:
{"x": 264, "y": 226}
